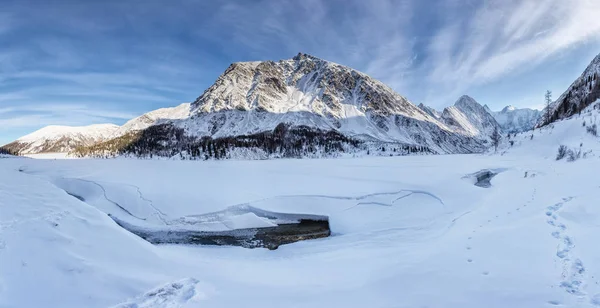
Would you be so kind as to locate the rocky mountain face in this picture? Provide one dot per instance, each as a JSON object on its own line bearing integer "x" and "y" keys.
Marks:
{"x": 254, "y": 97}
{"x": 430, "y": 111}
{"x": 300, "y": 107}
{"x": 516, "y": 120}
{"x": 470, "y": 118}
{"x": 583, "y": 91}
{"x": 61, "y": 139}
{"x": 302, "y": 84}
{"x": 466, "y": 117}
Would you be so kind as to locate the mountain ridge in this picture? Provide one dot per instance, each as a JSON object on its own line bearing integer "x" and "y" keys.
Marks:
{"x": 58, "y": 138}
{"x": 581, "y": 93}
{"x": 517, "y": 120}
{"x": 302, "y": 95}
{"x": 470, "y": 117}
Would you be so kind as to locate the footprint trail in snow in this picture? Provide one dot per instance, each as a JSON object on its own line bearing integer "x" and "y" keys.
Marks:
{"x": 573, "y": 270}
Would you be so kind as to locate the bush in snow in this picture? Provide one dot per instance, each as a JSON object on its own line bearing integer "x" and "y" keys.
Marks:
{"x": 592, "y": 130}
{"x": 562, "y": 152}
{"x": 573, "y": 155}
{"x": 570, "y": 154}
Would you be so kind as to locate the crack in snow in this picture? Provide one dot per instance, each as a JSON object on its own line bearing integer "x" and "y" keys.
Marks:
{"x": 109, "y": 200}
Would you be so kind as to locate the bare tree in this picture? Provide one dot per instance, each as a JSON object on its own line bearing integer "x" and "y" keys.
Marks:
{"x": 548, "y": 100}
{"x": 496, "y": 137}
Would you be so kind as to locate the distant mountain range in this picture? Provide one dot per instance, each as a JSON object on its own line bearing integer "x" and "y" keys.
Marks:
{"x": 64, "y": 139}
{"x": 60, "y": 139}
{"x": 300, "y": 107}
{"x": 468, "y": 116}
{"x": 514, "y": 120}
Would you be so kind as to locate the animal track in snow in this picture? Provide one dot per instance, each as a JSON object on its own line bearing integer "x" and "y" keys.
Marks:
{"x": 573, "y": 269}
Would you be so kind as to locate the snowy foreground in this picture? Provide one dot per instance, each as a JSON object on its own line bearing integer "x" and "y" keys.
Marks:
{"x": 407, "y": 231}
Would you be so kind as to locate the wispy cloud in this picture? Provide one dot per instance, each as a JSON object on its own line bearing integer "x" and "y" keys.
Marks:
{"x": 504, "y": 37}
{"x": 109, "y": 60}
{"x": 16, "y": 122}
{"x": 368, "y": 35}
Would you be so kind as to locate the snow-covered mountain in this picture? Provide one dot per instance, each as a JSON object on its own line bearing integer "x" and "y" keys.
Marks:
{"x": 64, "y": 139}
{"x": 394, "y": 218}
{"x": 306, "y": 104}
{"x": 470, "y": 118}
{"x": 431, "y": 111}
{"x": 516, "y": 120}
{"x": 582, "y": 92}
{"x": 577, "y": 133}
{"x": 254, "y": 97}
{"x": 60, "y": 139}
{"x": 154, "y": 117}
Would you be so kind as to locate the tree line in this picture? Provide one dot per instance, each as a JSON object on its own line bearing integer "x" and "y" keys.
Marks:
{"x": 285, "y": 141}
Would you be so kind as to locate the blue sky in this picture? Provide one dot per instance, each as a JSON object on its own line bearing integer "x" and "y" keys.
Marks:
{"x": 84, "y": 62}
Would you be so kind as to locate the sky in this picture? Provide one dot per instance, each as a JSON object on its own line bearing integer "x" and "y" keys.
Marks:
{"x": 71, "y": 62}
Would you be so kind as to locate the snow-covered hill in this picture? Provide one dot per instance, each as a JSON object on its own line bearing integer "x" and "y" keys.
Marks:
{"x": 65, "y": 139}
{"x": 416, "y": 224}
{"x": 60, "y": 139}
{"x": 154, "y": 117}
{"x": 578, "y": 133}
{"x": 470, "y": 118}
{"x": 582, "y": 92}
{"x": 516, "y": 120}
{"x": 320, "y": 107}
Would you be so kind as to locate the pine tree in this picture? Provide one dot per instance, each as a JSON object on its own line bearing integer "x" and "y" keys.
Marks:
{"x": 548, "y": 98}
{"x": 496, "y": 137}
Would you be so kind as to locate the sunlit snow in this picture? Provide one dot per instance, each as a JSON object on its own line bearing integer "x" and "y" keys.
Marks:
{"x": 408, "y": 231}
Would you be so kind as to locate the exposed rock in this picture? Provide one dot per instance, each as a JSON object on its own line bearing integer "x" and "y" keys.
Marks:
{"x": 583, "y": 91}
{"x": 470, "y": 118}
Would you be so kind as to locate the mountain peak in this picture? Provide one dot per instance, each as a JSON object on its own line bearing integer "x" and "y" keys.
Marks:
{"x": 509, "y": 108}
{"x": 469, "y": 116}
{"x": 465, "y": 99}
{"x": 302, "y": 84}
{"x": 303, "y": 56}
{"x": 466, "y": 102}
